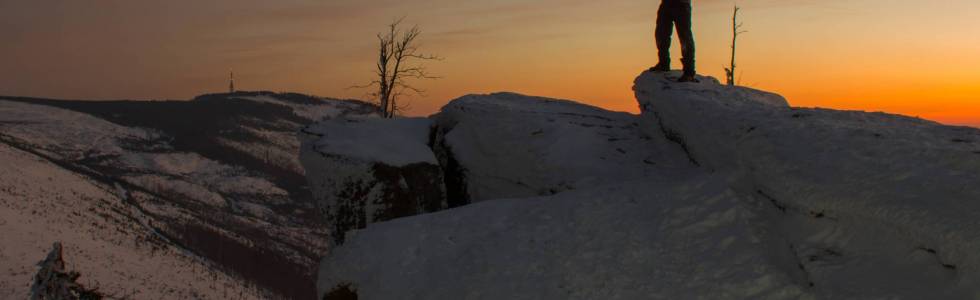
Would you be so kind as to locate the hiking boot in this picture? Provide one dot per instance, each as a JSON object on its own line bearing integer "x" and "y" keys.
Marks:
{"x": 661, "y": 67}
{"x": 688, "y": 77}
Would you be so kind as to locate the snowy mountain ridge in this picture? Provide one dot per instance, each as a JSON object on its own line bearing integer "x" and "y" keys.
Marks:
{"x": 165, "y": 199}
{"x": 711, "y": 192}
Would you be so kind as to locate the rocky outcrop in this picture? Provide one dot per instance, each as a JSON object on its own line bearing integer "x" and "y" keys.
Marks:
{"x": 704, "y": 107}
{"x": 479, "y": 147}
{"x": 368, "y": 170}
{"x": 905, "y": 183}
{"x": 716, "y": 192}
{"x": 507, "y": 145}
{"x": 54, "y": 282}
{"x": 680, "y": 238}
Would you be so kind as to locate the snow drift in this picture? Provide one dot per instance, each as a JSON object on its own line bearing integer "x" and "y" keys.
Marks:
{"x": 712, "y": 192}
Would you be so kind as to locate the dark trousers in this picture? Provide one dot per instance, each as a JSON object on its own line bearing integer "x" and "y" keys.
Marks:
{"x": 673, "y": 13}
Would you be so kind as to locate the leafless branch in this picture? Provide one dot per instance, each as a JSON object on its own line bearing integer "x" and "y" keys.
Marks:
{"x": 370, "y": 84}
{"x": 399, "y": 58}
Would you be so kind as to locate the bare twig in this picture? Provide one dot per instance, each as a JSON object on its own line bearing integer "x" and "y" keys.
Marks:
{"x": 399, "y": 58}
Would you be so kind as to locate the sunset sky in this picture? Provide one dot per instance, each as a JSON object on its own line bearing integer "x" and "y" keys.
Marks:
{"x": 913, "y": 57}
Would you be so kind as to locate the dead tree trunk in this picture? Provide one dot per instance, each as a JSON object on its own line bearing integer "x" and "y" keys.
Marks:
{"x": 736, "y": 26}
{"x": 398, "y": 62}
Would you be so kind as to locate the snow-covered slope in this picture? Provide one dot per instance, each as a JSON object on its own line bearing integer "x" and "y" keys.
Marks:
{"x": 218, "y": 176}
{"x": 106, "y": 238}
{"x": 749, "y": 199}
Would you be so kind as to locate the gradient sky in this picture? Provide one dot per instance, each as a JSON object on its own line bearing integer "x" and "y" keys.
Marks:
{"x": 914, "y": 57}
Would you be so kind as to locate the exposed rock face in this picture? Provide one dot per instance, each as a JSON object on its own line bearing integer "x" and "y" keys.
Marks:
{"x": 507, "y": 145}
{"x": 369, "y": 170}
{"x": 341, "y": 292}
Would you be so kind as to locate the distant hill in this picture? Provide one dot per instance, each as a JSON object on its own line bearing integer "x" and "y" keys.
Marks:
{"x": 215, "y": 182}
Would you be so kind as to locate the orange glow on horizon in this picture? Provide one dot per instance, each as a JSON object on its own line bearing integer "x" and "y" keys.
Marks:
{"x": 872, "y": 55}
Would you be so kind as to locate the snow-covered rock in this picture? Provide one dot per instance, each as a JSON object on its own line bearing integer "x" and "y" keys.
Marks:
{"x": 368, "y": 170}
{"x": 681, "y": 238}
{"x": 780, "y": 203}
{"x": 896, "y": 191}
{"x": 507, "y": 145}
{"x": 54, "y": 281}
{"x": 705, "y": 104}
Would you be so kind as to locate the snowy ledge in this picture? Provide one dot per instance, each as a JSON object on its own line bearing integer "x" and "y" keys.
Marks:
{"x": 375, "y": 140}
{"x": 908, "y": 184}
{"x": 724, "y": 114}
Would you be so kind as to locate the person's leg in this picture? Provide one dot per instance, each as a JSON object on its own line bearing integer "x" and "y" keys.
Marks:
{"x": 665, "y": 27}
{"x": 685, "y": 35}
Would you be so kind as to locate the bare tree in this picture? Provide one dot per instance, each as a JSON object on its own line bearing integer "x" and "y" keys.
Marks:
{"x": 736, "y": 30}
{"x": 399, "y": 60}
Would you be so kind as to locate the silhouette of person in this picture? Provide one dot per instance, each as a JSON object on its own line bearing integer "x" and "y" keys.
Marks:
{"x": 675, "y": 13}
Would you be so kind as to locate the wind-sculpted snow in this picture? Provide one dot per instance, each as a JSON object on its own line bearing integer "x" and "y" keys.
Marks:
{"x": 890, "y": 191}
{"x": 509, "y": 145}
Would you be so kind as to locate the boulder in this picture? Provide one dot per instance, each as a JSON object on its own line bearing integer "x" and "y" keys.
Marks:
{"x": 507, "y": 145}
{"x": 706, "y": 118}
{"x": 368, "y": 170}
